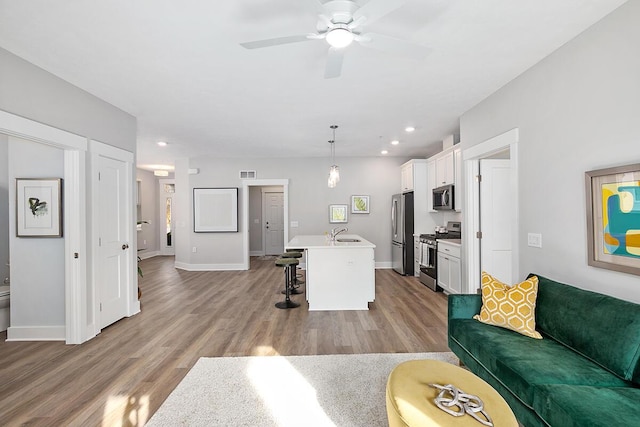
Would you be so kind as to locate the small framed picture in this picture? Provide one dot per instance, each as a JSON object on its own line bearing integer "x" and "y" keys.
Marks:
{"x": 360, "y": 204}
{"x": 39, "y": 207}
{"x": 338, "y": 213}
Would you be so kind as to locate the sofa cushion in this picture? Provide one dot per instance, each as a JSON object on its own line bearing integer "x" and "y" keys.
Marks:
{"x": 600, "y": 327}
{"x": 587, "y": 406}
{"x": 511, "y": 307}
{"x": 520, "y": 363}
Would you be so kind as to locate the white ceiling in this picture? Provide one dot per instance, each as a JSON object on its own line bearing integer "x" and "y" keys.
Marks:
{"x": 178, "y": 67}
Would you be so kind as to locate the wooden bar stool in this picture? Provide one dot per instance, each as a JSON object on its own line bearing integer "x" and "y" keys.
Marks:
{"x": 289, "y": 264}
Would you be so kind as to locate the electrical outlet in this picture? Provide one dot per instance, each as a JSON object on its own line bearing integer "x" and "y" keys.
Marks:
{"x": 194, "y": 249}
{"x": 294, "y": 224}
{"x": 534, "y": 240}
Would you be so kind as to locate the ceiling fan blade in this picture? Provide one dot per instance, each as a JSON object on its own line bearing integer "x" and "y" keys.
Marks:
{"x": 333, "y": 68}
{"x": 393, "y": 45}
{"x": 376, "y": 9}
{"x": 275, "y": 42}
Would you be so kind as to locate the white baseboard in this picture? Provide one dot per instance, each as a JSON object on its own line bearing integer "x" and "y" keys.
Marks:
{"x": 36, "y": 333}
{"x": 150, "y": 254}
{"x": 208, "y": 267}
{"x": 384, "y": 265}
{"x": 256, "y": 253}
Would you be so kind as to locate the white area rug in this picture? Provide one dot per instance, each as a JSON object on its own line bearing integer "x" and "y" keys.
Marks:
{"x": 335, "y": 390}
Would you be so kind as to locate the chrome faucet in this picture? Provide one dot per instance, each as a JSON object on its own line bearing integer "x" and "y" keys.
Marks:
{"x": 335, "y": 232}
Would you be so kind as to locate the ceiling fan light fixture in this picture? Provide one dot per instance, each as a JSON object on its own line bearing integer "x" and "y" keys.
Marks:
{"x": 340, "y": 36}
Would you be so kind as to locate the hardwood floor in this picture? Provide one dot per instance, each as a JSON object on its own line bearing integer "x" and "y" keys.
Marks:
{"x": 122, "y": 376}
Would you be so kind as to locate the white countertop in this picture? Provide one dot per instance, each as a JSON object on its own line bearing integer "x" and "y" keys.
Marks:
{"x": 322, "y": 242}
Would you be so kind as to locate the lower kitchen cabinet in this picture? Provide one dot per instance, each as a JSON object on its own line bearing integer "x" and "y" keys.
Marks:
{"x": 449, "y": 268}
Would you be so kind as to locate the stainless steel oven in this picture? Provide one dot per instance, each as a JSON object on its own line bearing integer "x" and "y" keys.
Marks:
{"x": 428, "y": 261}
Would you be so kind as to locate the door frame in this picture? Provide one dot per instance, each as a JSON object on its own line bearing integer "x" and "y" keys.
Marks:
{"x": 99, "y": 149}
{"x": 263, "y": 193}
{"x": 284, "y": 183}
{"x": 471, "y": 212}
{"x": 74, "y": 219}
{"x": 163, "y": 219}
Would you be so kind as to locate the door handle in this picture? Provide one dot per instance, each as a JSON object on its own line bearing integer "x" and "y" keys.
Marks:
{"x": 125, "y": 247}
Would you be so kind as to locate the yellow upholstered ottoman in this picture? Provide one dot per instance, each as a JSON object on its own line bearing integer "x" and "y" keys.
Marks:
{"x": 410, "y": 398}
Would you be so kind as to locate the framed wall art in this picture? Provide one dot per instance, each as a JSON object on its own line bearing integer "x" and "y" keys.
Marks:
{"x": 360, "y": 204}
{"x": 38, "y": 207}
{"x": 215, "y": 210}
{"x": 338, "y": 214}
{"x": 613, "y": 218}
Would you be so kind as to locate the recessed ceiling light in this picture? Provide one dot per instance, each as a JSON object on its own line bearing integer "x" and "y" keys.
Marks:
{"x": 395, "y": 142}
{"x": 409, "y": 129}
{"x": 162, "y": 144}
{"x": 384, "y": 152}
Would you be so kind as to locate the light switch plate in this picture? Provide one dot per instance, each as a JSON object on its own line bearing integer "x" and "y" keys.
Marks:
{"x": 534, "y": 240}
{"x": 294, "y": 224}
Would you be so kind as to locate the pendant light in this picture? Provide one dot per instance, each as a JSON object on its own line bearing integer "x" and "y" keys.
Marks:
{"x": 334, "y": 172}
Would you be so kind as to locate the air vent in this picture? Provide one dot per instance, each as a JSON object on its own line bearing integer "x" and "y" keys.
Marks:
{"x": 247, "y": 174}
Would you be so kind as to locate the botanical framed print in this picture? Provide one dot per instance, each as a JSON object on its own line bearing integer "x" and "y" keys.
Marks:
{"x": 38, "y": 207}
{"x": 215, "y": 210}
{"x": 360, "y": 204}
{"x": 613, "y": 218}
{"x": 338, "y": 213}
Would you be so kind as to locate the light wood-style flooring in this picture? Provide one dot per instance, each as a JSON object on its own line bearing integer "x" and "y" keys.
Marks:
{"x": 122, "y": 376}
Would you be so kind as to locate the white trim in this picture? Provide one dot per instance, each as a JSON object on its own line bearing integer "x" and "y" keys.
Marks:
{"x": 256, "y": 253}
{"x": 36, "y": 333}
{"x": 34, "y": 131}
{"x": 149, "y": 254}
{"x": 383, "y": 265}
{"x": 75, "y": 242}
{"x": 284, "y": 183}
{"x": 208, "y": 267}
{"x": 471, "y": 212}
{"x": 75, "y": 329}
{"x": 111, "y": 152}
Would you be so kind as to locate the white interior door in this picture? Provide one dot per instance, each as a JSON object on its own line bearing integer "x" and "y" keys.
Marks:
{"x": 496, "y": 216}
{"x": 273, "y": 212}
{"x": 114, "y": 252}
{"x": 167, "y": 236}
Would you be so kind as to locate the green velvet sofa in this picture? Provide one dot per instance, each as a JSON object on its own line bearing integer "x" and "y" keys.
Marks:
{"x": 584, "y": 372}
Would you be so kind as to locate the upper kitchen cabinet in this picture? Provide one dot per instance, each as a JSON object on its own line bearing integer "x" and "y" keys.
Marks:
{"x": 445, "y": 168}
{"x": 406, "y": 177}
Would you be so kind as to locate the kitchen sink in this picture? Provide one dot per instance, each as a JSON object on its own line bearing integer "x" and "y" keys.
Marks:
{"x": 347, "y": 240}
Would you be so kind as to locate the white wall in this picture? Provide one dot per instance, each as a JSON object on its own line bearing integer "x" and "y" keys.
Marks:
{"x": 577, "y": 110}
{"x": 4, "y": 207}
{"x": 149, "y": 210}
{"x": 309, "y": 200}
{"x": 37, "y": 270}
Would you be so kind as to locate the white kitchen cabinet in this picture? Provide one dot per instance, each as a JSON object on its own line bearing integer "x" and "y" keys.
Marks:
{"x": 416, "y": 256}
{"x": 445, "y": 169}
{"x": 457, "y": 173}
{"x": 406, "y": 177}
{"x": 449, "y": 268}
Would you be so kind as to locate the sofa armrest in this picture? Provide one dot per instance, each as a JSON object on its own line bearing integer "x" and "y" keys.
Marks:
{"x": 464, "y": 306}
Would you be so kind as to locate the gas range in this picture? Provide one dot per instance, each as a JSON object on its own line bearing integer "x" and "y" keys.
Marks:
{"x": 453, "y": 231}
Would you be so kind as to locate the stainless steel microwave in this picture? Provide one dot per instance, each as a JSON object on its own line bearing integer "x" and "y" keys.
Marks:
{"x": 443, "y": 198}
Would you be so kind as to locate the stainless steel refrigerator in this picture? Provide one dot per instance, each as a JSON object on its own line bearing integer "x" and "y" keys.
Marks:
{"x": 402, "y": 233}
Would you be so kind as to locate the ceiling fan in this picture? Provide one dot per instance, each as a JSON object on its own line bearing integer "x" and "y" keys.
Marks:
{"x": 341, "y": 22}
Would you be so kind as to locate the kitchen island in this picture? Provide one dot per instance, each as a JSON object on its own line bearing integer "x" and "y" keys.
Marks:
{"x": 340, "y": 273}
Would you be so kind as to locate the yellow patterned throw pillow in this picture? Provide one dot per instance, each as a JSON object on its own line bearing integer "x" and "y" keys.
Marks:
{"x": 511, "y": 307}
